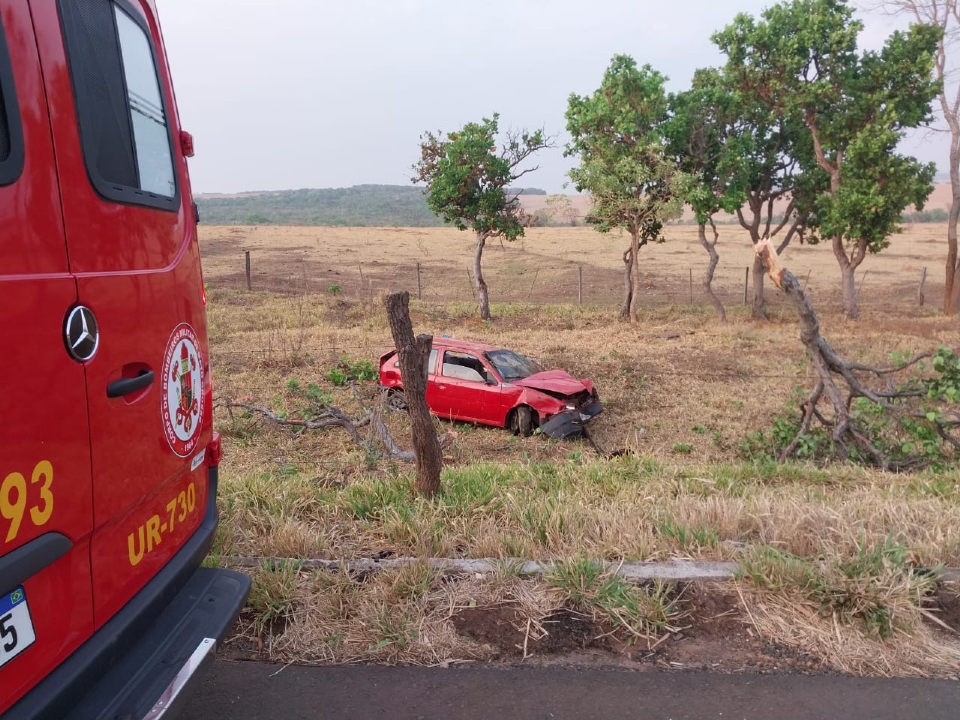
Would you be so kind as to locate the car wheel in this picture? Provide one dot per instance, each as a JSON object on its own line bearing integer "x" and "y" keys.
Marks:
{"x": 521, "y": 422}
{"x": 396, "y": 400}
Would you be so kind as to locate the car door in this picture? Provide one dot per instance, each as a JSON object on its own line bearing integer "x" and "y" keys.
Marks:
{"x": 462, "y": 392}
{"x": 45, "y": 498}
{"x": 131, "y": 232}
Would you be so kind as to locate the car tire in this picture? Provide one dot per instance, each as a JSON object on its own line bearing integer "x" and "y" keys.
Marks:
{"x": 522, "y": 421}
{"x": 396, "y": 400}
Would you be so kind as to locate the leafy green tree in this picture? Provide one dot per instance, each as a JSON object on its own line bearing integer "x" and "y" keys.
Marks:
{"x": 763, "y": 151}
{"x": 617, "y": 134}
{"x": 801, "y": 61}
{"x": 700, "y": 133}
{"x": 944, "y": 14}
{"x": 467, "y": 179}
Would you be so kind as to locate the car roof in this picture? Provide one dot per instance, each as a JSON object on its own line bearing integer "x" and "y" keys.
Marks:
{"x": 465, "y": 345}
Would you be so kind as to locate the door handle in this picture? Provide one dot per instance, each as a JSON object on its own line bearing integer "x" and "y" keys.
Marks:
{"x": 125, "y": 386}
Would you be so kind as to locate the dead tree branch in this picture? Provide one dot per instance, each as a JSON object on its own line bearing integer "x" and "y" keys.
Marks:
{"x": 332, "y": 417}
{"x": 841, "y": 382}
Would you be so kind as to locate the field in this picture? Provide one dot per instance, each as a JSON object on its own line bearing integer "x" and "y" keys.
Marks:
{"x": 542, "y": 268}
{"x": 827, "y": 551}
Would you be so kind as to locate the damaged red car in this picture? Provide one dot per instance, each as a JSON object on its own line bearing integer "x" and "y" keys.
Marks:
{"x": 489, "y": 385}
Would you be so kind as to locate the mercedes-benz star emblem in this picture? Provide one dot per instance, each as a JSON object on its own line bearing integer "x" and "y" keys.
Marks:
{"x": 81, "y": 333}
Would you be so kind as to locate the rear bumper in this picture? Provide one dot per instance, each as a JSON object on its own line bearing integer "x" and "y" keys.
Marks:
{"x": 149, "y": 680}
{"x": 570, "y": 423}
{"x": 135, "y": 659}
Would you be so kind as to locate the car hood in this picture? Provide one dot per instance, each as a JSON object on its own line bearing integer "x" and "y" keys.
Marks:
{"x": 555, "y": 381}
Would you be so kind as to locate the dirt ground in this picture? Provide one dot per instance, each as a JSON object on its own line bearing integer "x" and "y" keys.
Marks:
{"x": 715, "y": 635}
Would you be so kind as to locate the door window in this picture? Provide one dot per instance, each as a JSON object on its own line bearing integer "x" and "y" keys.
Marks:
{"x": 431, "y": 363}
{"x": 11, "y": 137}
{"x": 127, "y": 145}
{"x": 464, "y": 367}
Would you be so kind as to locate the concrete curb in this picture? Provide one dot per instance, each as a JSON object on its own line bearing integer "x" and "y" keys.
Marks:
{"x": 670, "y": 570}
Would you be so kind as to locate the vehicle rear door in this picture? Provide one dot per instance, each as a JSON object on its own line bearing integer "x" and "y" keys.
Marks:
{"x": 131, "y": 232}
{"x": 45, "y": 494}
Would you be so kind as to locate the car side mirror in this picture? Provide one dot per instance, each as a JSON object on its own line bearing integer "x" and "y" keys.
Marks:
{"x": 490, "y": 379}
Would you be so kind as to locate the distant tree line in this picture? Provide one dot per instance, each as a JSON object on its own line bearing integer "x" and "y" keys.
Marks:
{"x": 360, "y": 205}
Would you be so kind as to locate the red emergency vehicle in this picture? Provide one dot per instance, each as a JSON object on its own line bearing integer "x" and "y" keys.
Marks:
{"x": 108, "y": 459}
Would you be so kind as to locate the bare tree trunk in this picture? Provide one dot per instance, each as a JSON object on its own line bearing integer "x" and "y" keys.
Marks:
{"x": 414, "y": 353}
{"x": 953, "y": 307}
{"x": 849, "y": 289}
{"x": 759, "y": 310}
{"x": 951, "y": 291}
{"x": 711, "y": 248}
{"x": 482, "y": 294}
{"x": 627, "y": 285}
{"x": 848, "y": 268}
{"x": 946, "y": 15}
{"x": 635, "y": 272}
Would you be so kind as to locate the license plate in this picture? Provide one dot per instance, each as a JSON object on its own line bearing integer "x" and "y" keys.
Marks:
{"x": 16, "y": 627}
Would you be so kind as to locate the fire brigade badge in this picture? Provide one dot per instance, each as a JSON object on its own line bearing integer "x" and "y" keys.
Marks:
{"x": 181, "y": 396}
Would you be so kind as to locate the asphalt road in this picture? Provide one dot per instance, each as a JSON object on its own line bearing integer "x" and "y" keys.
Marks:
{"x": 254, "y": 691}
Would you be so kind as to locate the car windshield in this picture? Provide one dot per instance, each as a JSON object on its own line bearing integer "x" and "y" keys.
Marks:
{"x": 513, "y": 366}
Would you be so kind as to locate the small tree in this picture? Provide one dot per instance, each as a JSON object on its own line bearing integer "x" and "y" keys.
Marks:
{"x": 467, "y": 180}
{"x": 701, "y": 138}
{"x": 763, "y": 151}
{"x": 801, "y": 61}
{"x": 562, "y": 209}
{"x": 944, "y": 14}
{"x": 634, "y": 185}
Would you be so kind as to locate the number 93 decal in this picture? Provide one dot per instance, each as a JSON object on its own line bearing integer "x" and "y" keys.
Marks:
{"x": 26, "y": 501}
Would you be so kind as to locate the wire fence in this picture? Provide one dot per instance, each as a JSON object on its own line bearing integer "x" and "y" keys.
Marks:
{"x": 899, "y": 290}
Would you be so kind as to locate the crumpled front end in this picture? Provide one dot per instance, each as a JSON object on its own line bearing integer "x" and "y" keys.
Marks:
{"x": 570, "y": 423}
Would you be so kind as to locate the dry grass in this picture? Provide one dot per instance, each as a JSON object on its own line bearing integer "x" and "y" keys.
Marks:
{"x": 918, "y": 650}
{"x": 542, "y": 267}
{"x": 680, "y": 392}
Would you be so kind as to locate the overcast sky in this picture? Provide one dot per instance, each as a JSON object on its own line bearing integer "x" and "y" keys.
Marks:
{"x": 283, "y": 94}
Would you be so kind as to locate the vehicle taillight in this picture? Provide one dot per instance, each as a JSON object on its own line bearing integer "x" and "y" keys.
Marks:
{"x": 214, "y": 451}
{"x": 186, "y": 144}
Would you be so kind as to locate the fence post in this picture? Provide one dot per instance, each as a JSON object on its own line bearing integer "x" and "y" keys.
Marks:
{"x": 746, "y": 284}
{"x": 535, "y": 276}
{"x": 579, "y": 284}
{"x": 246, "y": 258}
{"x": 419, "y": 286}
{"x": 923, "y": 279}
{"x": 691, "y": 286}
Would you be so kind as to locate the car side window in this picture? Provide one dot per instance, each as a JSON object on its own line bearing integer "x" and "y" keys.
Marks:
{"x": 431, "y": 363}
{"x": 463, "y": 367}
{"x": 121, "y": 112}
{"x": 11, "y": 134}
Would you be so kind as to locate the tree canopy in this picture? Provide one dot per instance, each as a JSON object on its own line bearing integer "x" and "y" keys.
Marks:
{"x": 800, "y": 61}
{"x": 617, "y": 133}
{"x": 467, "y": 178}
